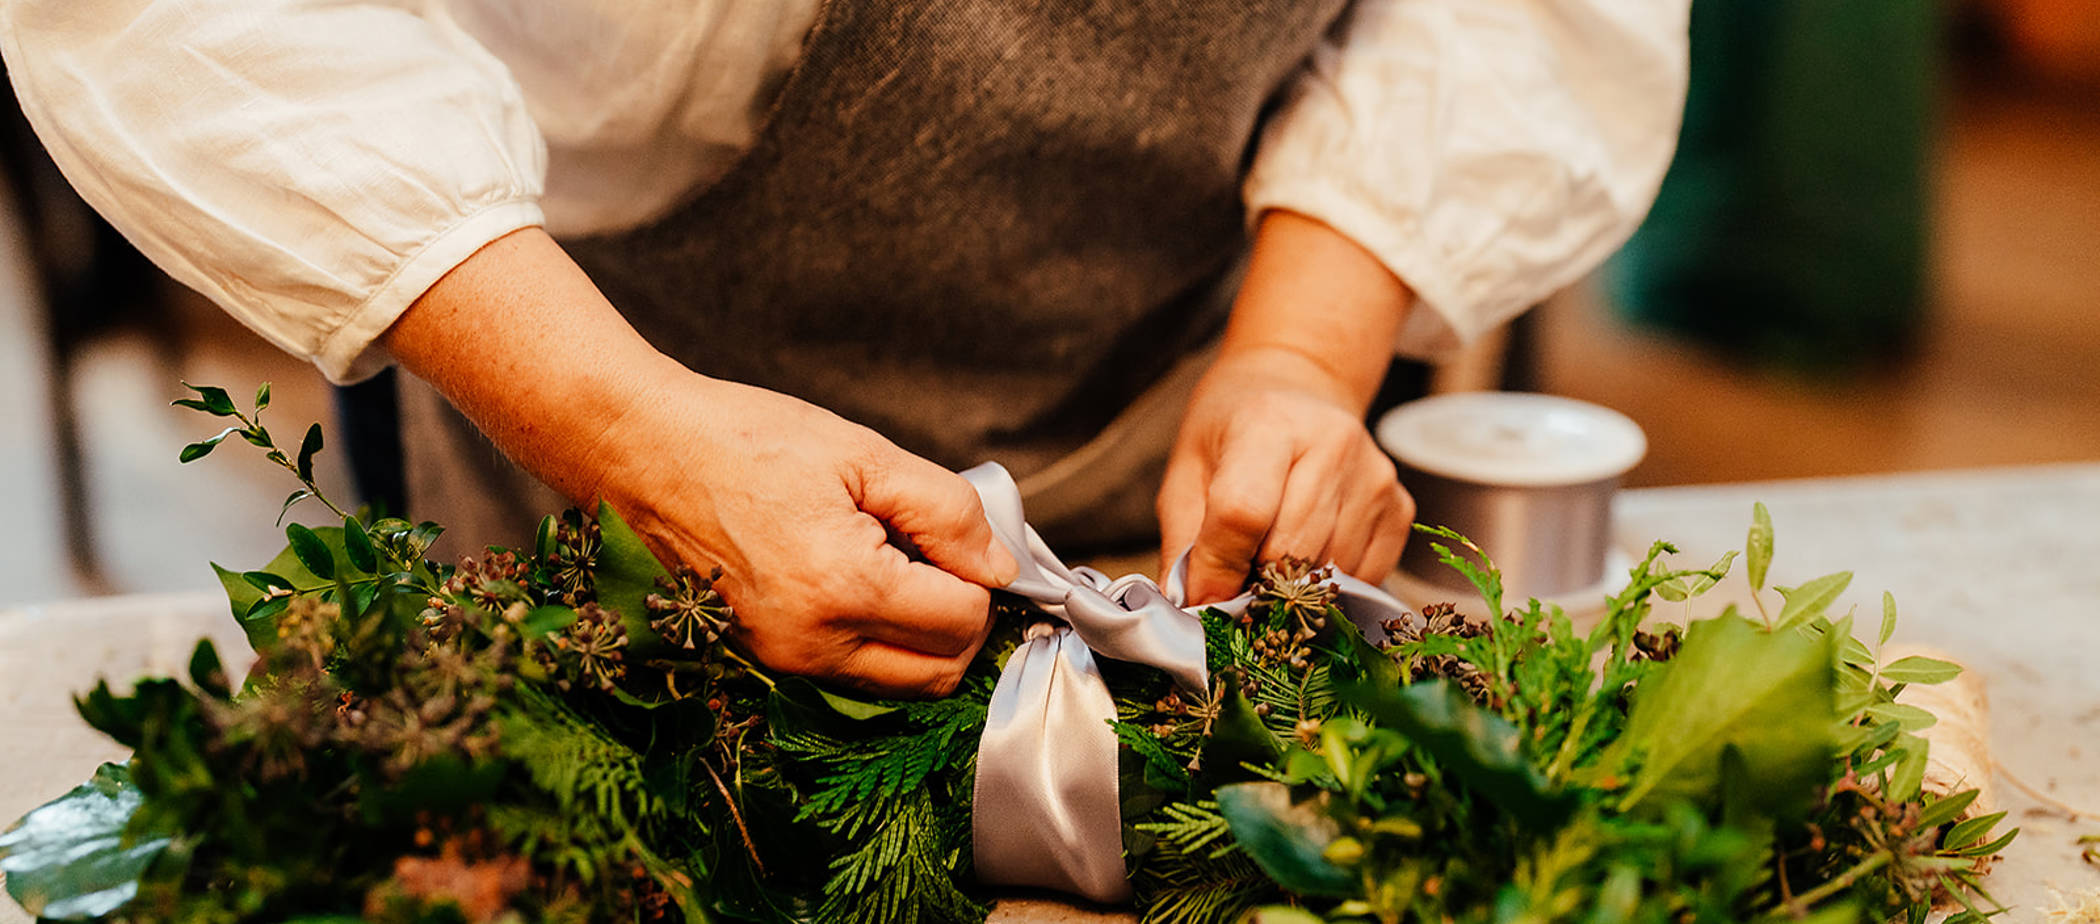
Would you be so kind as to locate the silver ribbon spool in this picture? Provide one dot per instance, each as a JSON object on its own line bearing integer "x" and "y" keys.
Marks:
{"x": 1528, "y": 477}
{"x": 1047, "y": 811}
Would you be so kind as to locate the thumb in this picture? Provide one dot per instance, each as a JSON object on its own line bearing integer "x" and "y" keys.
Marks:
{"x": 939, "y": 513}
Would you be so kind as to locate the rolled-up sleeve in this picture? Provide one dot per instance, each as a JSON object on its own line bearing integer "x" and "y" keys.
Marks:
{"x": 311, "y": 167}
{"x": 1488, "y": 152}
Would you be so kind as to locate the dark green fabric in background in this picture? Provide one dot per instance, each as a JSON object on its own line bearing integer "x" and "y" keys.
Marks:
{"x": 1793, "y": 226}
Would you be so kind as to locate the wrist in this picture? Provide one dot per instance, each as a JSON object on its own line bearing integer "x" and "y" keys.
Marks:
{"x": 524, "y": 345}
{"x": 1320, "y": 309}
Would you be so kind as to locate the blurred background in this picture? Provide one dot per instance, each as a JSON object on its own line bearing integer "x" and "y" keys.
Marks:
{"x": 1878, "y": 250}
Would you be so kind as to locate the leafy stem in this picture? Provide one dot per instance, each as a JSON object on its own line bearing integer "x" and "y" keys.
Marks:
{"x": 215, "y": 401}
{"x": 1841, "y": 881}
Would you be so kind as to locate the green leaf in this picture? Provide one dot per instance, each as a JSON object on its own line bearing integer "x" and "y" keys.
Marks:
{"x": 1910, "y": 717}
{"x": 1888, "y": 616}
{"x": 1908, "y": 777}
{"x": 208, "y": 672}
{"x": 1968, "y": 833}
{"x": 289, "y": 500}
{"x": 1673, "y": 590}
{"x": 265, "y": 581}
{"x": 72, "y": 860}
{"x": 203, "y": 447}
{"x": 626, "y": 575}
{"x": 1812, "y": 599}
{"x": 307, "y": 448}
{"x": 1470, "y": 743}
{"x": 1944, "y": 810}
{"x": 809, "y": 701}
{"x": 1288, "y": 841}
{"x": 1283, "y": 914}
{"x": 313, "y": 553}
{"x": 358, "y": 547}
{"x": 214, "y": 400}
{"x": 1771, "y": 695}
{"x": 1696, "y": 584}
{"x": 1985, "y": 850}
{"x": 1482, "y": 574}
{"x": 1238, "y": 739}
{"x": 1918, "y": 669}
{"x": 262, "y": 397}
{"x": 1757, "y": 549}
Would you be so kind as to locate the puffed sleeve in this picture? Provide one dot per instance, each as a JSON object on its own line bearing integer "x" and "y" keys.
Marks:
{"x": 312, "y": 167}
{"x": 1488, "y": 152}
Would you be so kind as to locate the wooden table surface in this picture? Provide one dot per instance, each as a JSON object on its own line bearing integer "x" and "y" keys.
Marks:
{"x": 2000, "y": 567}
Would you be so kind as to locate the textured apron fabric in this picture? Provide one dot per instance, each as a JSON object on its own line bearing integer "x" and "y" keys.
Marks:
{"x": 986, "y": 229}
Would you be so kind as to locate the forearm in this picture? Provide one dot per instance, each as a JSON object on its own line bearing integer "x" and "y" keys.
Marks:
{"x": 1324, "y": 309}
{"x": 524, "y": 344}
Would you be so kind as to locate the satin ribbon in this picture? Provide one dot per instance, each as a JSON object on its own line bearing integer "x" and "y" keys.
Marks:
{"x": 1047, "y": 811}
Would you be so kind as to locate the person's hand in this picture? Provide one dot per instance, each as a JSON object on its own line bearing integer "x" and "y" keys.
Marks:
{"x": 1273, "y": 458}
{"x": 1270, "y": 462}
{"x": 797, "y": 506}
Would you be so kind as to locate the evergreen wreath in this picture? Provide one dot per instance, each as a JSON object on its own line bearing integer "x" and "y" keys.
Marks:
{"x": 567, "y": 733}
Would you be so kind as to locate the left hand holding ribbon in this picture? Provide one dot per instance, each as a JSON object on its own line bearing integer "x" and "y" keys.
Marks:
{"x": 1047, "y": 811}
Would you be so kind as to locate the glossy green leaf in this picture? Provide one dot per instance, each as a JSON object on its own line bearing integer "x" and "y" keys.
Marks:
{"x": 358, "y": 547}
{"x": 203, "y": 447}
{"x": 1812, "y": 599}
{"x": 1918, "y": 669}
{"x": 289, "y": 500}
{"x": 1287, "y": 840}
{"x": 265, "y": 581}
{"x": 307, "y": 448}
{"x": 627, "y": 574}
{"x": 313, "y": 554}
{"x": 1471, "y": 743}
{"x": 262, "y": 397}
{"x": 71, "y": 859}
{"x": 1770, "y": 695}
{"x": 1757, "y": 549}
{"x": 214, "y": 399}
{"x": 1238, "y": 739}
{"x": 208, "y": 672}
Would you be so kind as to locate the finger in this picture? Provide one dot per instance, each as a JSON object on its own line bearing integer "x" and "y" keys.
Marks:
{"x": 916, "y": 606}
{"x": 901, "y": 672}
{"x": 1239, "y": 506}
{"x": 939, "y": 513}
{"x": 1371, "y": 490}
{"x": 1305, "y": 521}
{"x": 1180, "y": 507}
{"x": 1388, "y": 538}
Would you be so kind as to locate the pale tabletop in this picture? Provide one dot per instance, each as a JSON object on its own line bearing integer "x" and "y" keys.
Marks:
{"x": 2000, "y": 567}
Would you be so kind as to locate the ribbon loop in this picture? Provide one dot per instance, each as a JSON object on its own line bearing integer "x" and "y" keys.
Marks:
{"x": 1047, "y": 812}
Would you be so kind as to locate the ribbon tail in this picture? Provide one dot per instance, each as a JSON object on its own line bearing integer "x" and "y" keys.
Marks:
{"x": 1047, "y": 811}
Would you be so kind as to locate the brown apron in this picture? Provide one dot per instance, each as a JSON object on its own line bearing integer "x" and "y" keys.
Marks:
{"x": 987, "y": 229}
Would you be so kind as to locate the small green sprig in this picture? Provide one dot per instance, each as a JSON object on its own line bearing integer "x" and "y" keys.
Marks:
{"x": 215, "y": 401}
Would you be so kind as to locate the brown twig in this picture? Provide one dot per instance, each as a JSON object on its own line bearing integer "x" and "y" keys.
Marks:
{"x": 737, "y": 814}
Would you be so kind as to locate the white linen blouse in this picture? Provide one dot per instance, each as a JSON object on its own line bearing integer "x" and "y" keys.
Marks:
{"x": 313, "y": 166}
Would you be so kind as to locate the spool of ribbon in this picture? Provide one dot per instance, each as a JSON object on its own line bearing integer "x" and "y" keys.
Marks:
{"x": 1047, "y": 811}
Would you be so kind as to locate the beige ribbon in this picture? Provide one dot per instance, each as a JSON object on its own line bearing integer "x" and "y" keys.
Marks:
{"x": 1047, "y": 811}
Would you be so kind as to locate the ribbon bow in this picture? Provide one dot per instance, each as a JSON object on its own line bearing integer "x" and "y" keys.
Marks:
{"x": 1047, "y": 812}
